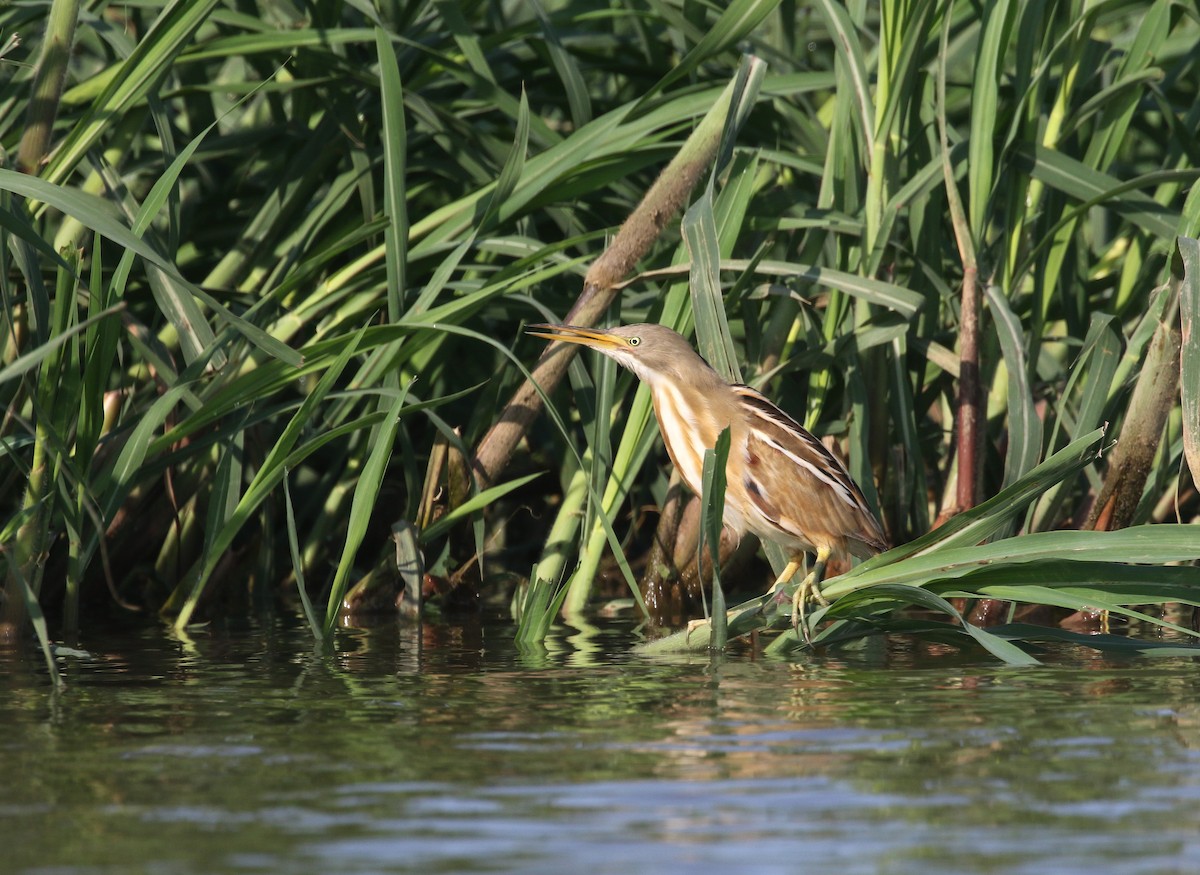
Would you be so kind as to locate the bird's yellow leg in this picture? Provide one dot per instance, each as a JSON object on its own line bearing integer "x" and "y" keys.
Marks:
{"x": 809, "y": 590}
{"x": 788, "y": 573}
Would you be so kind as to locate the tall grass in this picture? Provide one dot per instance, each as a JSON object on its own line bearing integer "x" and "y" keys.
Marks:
{"x": 250, "y": 246}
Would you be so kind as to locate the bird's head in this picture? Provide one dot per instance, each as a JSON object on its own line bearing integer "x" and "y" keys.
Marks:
{"x": 650, "y": 351}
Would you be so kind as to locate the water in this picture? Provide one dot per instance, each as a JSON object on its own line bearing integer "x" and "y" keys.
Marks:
{"x": 446, "y": 750}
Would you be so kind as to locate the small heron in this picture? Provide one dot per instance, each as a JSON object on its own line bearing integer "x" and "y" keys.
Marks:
{"x": 782, "y": 483}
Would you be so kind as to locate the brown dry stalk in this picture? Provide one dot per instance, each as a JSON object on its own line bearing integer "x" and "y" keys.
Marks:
{"x": 662, "y": 202}
{"x": 1153, "y": 397}
{"x": 968, "y": 416}
{"x": 970, "y": 394}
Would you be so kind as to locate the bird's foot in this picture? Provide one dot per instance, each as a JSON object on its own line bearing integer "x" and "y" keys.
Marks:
{"x": 693, "y": 625}
{"x": 777, "y": 595}
{"x": 808, "y": 591}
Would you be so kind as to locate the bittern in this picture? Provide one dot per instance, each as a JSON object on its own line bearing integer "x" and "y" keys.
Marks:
{"x": 782, "y": 484}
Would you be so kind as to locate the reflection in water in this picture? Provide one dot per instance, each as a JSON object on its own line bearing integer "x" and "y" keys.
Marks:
{"x": 444, "y": 748}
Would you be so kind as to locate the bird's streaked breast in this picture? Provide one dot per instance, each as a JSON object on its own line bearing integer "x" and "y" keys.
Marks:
{"x": 677, "y": 420}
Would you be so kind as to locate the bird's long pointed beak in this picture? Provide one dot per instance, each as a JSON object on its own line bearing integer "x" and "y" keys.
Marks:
{"x": 597, "y": 338}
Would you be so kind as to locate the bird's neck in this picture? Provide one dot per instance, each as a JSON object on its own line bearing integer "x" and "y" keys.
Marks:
{"x": 691, "y": 416}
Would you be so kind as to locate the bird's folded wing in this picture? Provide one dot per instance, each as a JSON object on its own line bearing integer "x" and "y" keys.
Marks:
{"x": 798, "y": 484}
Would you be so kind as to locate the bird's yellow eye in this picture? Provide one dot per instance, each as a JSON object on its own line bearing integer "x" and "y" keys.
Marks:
{"x": 634, "y": 341}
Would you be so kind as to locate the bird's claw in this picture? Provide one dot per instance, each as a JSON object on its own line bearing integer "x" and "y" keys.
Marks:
{"x": 808, "y": 591}
{"x": 692, "y": 626}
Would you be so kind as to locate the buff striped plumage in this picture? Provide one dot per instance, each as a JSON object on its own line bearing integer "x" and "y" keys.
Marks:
{"x": 833, "y": 513}
{"x": 782, "y": 483}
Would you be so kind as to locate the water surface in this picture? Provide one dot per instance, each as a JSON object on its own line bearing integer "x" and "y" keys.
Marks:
{"x": 444, "y": 749}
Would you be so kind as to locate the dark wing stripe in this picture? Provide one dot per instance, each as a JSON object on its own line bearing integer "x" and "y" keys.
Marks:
{"x": 825, "y": 466}
{"x": 829, "y": 477}
{"x": 761, "y": 501}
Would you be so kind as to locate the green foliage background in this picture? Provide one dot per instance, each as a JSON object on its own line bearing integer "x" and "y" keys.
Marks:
{"x": 266, "y": 241}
